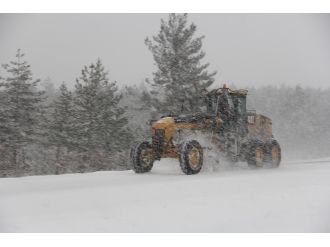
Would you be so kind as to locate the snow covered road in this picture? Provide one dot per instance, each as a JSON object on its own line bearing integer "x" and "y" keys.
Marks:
{"x": 292, "y": 198}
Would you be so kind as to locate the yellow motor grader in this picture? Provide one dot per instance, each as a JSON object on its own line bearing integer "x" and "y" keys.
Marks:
{"x": 238, "y": 134}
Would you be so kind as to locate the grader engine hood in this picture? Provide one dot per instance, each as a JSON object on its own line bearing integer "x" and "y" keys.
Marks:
{"x": 166, "y": 125}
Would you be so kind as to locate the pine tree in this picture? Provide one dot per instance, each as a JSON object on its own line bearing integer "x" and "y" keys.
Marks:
{"x": 100, "y": 126}
{"x": 136, "y": 99}
{"x": 61, "y": 127}
{"x": 3, "y": 119}
{"x": 49, "y": 88}
{"x": 5, "y": 154}
{"x": 21, "y": 109}
{"x": 180, "y": 78}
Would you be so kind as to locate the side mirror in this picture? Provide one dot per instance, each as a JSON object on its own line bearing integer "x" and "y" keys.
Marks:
{"x": 150, "y": 122}
{"x": 251, "y": 119}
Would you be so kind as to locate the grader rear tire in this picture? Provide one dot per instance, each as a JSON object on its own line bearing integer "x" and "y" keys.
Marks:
{"x": 191, "y": 157}
{"x": 256, "y": 155}
{"x": 141, "y": 157}
{"x": 273, "y": 153}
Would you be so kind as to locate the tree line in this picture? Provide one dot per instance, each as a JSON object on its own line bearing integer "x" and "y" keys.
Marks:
{"x": 80, "y": 130}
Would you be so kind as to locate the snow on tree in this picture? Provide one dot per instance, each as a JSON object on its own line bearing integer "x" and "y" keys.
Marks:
{"x": 21, "y": 109}
{"x": 61, "y": 126}
{"x": 136, "y": 100}
{"x": 50, "y": 91}
{"x": 100, "y": 124}
{"x": 181, "y": 78}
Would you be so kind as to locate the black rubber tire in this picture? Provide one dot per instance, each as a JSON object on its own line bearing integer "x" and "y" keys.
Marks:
{"x": 137, "y": 164}
{"x": 251, "y": 155}
{"x": 269, "y": 147}
{"x": 185, "y": 165}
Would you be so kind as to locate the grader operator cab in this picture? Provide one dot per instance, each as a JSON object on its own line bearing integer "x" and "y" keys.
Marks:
{"x": 237, "y": 134}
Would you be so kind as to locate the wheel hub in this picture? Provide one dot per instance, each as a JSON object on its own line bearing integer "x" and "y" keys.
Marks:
{"x": 275, "y": 155}
{"x": 146, "y": 157}
{"x": 259, "y": 156}
{"x": 194, "y": 157}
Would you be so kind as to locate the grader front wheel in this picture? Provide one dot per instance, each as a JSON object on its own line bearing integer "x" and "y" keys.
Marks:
{"x": 191, "y": 157}
{"x": 142, "y": 157}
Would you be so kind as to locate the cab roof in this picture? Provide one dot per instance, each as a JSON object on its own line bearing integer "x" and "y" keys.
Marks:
{"x": 221, "y": 90}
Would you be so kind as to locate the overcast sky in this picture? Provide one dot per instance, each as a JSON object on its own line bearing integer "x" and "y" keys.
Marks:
{"x": 245, "y": 49}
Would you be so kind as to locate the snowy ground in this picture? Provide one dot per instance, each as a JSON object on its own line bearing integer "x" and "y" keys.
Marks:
{"x": 293, "y": 198}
